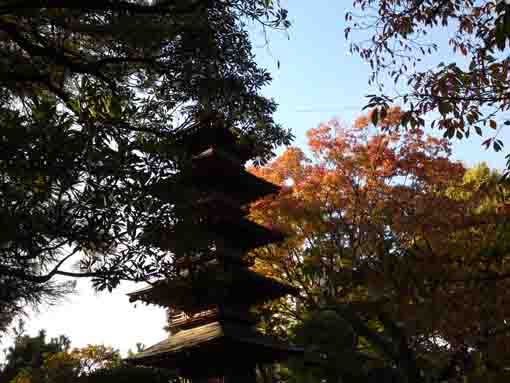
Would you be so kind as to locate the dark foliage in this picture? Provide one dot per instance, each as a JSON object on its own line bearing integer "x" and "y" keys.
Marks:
{"x": 129, "y": 374}
{"x": 28, "y": 353}
{"x": 93, "y": 101}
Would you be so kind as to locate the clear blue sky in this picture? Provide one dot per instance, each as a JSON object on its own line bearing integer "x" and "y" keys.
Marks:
{"x": 318, "y": 79}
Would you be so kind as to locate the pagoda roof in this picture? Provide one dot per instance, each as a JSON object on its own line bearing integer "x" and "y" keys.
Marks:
{"x": 220, "y": 339}
{"x": 245, "y": 234}
{"x": 240, "y": 232}
{"x": 211, "y": 286}
{"x": 212, "y": 131}
{"x": 213, "y": 166}
{"x": 218, "y": 203}
{"x": 214, "y": 171}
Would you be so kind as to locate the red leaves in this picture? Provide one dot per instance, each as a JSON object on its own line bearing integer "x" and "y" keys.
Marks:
{"x": 358, "y": 177}
{"x": 364, "y": 198}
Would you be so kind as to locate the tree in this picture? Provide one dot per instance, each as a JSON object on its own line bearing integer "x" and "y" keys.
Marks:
{"x": 468, "y": 93}
{"x": 130, "y": 374}
{"x": 34, "y": 360}
{"x": 15, "y": 293}
{"x": 28, "y": 355}
{"x": 93, "y": 104}
{"x": 400, "y": 254}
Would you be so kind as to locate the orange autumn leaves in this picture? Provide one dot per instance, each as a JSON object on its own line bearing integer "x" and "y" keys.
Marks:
{"x": 387, "y": 217}
{"x": 361, "y": 178}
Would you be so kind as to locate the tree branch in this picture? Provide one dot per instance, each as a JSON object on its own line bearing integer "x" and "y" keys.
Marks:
{"x": 37, "y": 278}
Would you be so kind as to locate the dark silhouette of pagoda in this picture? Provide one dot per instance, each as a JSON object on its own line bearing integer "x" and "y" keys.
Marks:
{"x": 213, "y": 334}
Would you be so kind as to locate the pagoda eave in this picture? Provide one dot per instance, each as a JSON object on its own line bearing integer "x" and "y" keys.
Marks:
{"x": 212, "y": 170}
{"x": 249, "y": 235}
{"x": 214, "y": 343}
{"x": 242, "y": 287}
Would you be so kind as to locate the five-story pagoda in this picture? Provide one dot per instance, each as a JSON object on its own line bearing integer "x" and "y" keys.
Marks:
{"x": 212, "y": 329}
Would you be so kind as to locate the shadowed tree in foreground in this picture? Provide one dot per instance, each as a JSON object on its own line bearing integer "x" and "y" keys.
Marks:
{"x": 92, "y": 102}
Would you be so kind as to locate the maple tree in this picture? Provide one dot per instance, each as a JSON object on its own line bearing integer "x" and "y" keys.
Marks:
{"x": 400, "y": 254}
{"x": 400, "y": 39}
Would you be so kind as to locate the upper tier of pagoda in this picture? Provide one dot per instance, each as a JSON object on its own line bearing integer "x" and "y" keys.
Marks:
{"x": 220, "y": 189}
{"x": 216, "y": 171}
{"x": 212, "y": 132}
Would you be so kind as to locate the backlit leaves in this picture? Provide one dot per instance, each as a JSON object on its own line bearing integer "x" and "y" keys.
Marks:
{"x": 396, "y": 238}
{"x": 469, "y": 92}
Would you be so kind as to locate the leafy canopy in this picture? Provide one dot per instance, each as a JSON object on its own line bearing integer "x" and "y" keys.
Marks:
{"x": 401, "y": 255}
{"x": 36, "y": 360}
{"x": 93, "y": 101}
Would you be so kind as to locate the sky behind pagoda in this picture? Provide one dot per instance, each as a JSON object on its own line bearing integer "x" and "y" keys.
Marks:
{"x": 318, "y": 79}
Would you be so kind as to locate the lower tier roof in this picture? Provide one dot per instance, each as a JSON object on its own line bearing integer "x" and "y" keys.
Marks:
{"x": 214, "y": 346}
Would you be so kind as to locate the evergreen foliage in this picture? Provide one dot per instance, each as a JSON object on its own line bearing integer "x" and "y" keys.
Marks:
{"x": 93, "y": 100}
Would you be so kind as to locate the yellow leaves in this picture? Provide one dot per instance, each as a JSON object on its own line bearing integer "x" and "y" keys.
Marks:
{"x": 96, "y": 356}
{"x": 40, "y": 184}
{"x": 67, "y": 366}
{"x": 58, "y": 359}
{"x": 34, "y": 183}
{"x": 24, "y": 376}
{"x": 57, "y": 367}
